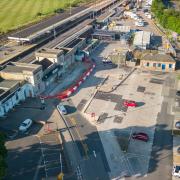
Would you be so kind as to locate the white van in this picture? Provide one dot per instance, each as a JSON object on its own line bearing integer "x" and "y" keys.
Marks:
{"x": 61, "y": 109}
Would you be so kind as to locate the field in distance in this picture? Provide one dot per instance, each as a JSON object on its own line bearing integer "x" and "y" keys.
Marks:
{"x": 17, "y": 13}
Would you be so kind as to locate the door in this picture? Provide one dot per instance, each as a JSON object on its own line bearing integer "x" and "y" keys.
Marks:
{"x": 163, "y": 66}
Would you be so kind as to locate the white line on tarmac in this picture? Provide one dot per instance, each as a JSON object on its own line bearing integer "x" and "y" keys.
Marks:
{"x": 37, "y": 169}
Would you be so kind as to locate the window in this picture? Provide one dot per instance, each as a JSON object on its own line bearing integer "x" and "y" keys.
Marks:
{"x": 28, "y": 79}
{"x": 154, "y": 64}
{"x": 170, "y": 66}
{"x": 147, "y": 64}
{"x": 39, "y": 86}
{"x": 159, "y": 64}
{"x": 38, "y": 76}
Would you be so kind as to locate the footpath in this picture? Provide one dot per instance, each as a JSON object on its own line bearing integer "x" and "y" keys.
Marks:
{"x": 176, "y": 138}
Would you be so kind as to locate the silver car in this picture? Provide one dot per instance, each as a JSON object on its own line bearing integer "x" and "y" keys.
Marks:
{"x": 61, "y": 109}
{"x": 25, "y": 125}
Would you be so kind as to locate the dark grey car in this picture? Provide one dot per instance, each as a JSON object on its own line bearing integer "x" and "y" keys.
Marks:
{"x": 178, "y": 93}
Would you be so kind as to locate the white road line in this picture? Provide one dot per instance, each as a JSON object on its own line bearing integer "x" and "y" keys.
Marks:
{"x": 37, "y": 169}
{"x": 52, "y": 168}
{"x": 50, "y": 154}
{"x": 52, "y": 161}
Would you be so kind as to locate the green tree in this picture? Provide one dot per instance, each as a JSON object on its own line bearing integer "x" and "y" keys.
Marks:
{"x": 3, "y": 154}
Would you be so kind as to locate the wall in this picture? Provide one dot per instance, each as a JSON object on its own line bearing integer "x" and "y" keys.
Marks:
{"x": 35, "y": 80}
{"x": 12, "y": 76}
{"x": 157, "y": 66}
{"x": 19, "y": 95}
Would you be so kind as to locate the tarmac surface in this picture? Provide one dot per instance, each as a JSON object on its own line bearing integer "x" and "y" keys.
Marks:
{"x": 88, "y": 142}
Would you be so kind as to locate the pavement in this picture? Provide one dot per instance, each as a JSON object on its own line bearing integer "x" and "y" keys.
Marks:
{"x": 119, "y": 121}
{"x": 151, "y": 88}
{"x": 70, "y": 76}
{"x": 176, "y": 138}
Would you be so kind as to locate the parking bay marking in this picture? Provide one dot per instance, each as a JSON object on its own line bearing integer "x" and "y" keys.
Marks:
{"x": 84, "y": 145}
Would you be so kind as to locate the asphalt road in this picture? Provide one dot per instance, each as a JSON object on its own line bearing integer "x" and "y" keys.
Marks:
{"x": 19, "y": 166}
{"x": 160, "y": 166}
{"x": 89, "y": 144}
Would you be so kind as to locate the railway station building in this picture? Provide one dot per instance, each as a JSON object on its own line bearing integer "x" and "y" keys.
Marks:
{"x": 30, "y": 73}
{"x": 12, "y": 92}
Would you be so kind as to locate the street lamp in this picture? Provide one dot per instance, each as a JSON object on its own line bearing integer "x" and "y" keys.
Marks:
{"x": 70, "y": 6}
{"x": 95, "y": 4}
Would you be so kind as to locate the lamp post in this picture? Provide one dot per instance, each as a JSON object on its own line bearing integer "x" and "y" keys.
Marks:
{"x": 70, "y": 7}
{"x": 95, "y": 4}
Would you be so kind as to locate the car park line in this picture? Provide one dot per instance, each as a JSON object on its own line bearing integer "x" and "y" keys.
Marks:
{"x": 37, "y": 168}
{"x": 129, "y": 166}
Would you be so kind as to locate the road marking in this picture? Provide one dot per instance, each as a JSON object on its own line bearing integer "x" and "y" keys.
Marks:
{"x": 37, "y": 169}
{"x": 84, "y": 145}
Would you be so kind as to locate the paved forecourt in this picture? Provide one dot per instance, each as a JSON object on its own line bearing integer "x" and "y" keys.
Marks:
{"x": 118, "y": 122}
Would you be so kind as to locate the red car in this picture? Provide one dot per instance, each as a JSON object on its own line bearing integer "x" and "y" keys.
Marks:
{"x": 130, "y": 103}
{"x": 140, "y": 136}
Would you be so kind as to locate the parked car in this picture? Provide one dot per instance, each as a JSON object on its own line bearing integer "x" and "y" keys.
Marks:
{"x": 178, "y": 150}
{"x": 130, "y": 103}
{"x": 177, "y": 125}
{"x": 25, "y": 125}
{"x": 149, "y": 16}
{"x": 135, "y": 17}
{"x": 140, "y": 136}
{"x": 107, "y": 61}
{"x": 139, "y": 24}
{"x": 176, "y": 171}
{"x": 177, "y": 93}
{"x": 61, "y": 109}
{"x": 145, "y": 10}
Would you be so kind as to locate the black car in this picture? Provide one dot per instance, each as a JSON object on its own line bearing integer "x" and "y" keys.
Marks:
{"x": 177, "y": 93}
{"x": 178, "y": 150}
{"x": 145, "y": 10}
{"x": 177, "y": 124}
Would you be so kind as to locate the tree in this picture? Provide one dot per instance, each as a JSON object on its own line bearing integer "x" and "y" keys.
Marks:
{"x": 3, "y": 154}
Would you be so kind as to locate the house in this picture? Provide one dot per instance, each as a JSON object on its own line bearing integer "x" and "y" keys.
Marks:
{"x": 158, "y": 62}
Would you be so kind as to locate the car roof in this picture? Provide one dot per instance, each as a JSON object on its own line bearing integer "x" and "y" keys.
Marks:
{"x": 27, "y": 120}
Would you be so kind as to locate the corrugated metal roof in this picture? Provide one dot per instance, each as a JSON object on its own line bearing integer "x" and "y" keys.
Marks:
{"x": 142, "y": 38}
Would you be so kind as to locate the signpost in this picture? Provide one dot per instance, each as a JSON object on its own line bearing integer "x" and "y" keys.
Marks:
{"x": 93, "y": 115}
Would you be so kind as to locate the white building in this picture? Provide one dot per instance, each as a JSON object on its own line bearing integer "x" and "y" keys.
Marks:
{"x": 142, "y": 39}
{"x": 12, "y": 92}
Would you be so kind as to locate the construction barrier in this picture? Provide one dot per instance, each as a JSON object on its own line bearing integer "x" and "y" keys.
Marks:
{"x": 65, "y": 94}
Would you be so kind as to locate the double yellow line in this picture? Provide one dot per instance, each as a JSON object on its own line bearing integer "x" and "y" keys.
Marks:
{"x": 84, "y": 145}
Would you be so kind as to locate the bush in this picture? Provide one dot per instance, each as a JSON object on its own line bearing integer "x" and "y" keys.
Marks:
{"x": 3, "y": 154}
{"x": 168, "y": 18}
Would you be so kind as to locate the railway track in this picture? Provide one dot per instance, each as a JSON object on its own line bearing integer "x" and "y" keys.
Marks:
{"x": 28, "y": 55}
